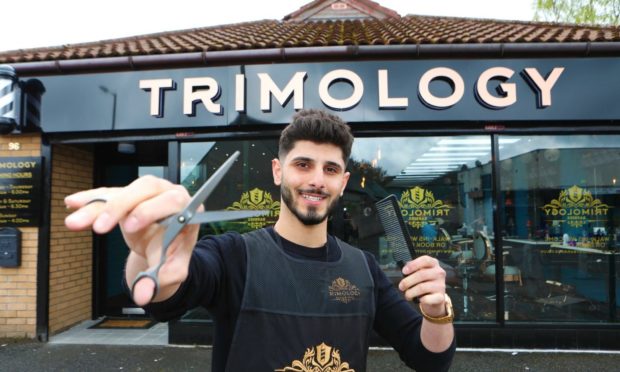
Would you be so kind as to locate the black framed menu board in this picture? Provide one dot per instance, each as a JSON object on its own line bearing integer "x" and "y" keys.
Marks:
{"x": 20, "y": 191}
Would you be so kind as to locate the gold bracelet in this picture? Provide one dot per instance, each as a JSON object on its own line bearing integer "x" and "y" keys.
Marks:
{"x": 448, "y": 318}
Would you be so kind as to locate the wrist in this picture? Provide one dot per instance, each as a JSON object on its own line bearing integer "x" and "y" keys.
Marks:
{"x": 441, "y": 314}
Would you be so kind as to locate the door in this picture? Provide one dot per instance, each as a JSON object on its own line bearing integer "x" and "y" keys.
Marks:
{"x": 118, "y": 165}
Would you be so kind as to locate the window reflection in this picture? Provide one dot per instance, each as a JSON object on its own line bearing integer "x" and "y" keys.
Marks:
{"x": 558, "y": 204}
{"x": 561, "y": 223}
{"x": 443, "y": 185}
{"x": 247, "y": 186}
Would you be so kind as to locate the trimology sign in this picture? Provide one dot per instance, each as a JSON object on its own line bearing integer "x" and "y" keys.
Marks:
{"x": 576, "y": 207}
{"x": 364, "y": 91}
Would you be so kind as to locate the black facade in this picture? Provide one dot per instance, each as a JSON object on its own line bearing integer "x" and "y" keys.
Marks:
{"x": 505, "y": 166}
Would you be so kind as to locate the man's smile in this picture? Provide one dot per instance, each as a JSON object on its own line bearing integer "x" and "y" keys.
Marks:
{"x": 313, "y": 196}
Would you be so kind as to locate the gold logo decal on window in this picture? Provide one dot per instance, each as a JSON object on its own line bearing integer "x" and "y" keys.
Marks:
{"x": 576, "y": 207}
{"x": 321, "y": 358}
{"x": 420, "y": 208}
{"x": 257, "y": 199}
{"x": 342, "y": 290}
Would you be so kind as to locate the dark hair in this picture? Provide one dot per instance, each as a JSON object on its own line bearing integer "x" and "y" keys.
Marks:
{"x": 317, "y": 126}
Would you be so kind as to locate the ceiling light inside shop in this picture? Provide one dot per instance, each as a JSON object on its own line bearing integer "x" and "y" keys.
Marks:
{"x": 445, "y": 164}
{"x": 452, "y": 154}
{"x": 459, "y": 148}
{"x": 460, "y": 159}
{"x": 431, "y": 166}
{"x": 475, "y": 141}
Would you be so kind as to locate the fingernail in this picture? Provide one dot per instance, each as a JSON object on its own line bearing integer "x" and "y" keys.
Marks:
{"x": 131, "y": 224}
{"x": 406, "y": 270}
{"x": 75, "y": 218}
{"x": 103, "y": 223}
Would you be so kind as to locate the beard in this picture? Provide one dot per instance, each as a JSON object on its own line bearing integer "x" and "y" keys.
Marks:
{"x": 312, "y": 217}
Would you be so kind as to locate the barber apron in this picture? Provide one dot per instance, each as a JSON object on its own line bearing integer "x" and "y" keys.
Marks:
{"x": 302, "y": 316}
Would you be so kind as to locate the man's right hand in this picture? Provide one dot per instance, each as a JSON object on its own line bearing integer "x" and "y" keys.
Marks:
{"x": 136, "y": 208}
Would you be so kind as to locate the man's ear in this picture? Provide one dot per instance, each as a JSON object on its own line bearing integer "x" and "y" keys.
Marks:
{"x": 345, "y": 180}
{"x": 276, "y": 169}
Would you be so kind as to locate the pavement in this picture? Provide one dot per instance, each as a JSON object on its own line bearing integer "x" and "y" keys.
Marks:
{"x": 28, "y": 355}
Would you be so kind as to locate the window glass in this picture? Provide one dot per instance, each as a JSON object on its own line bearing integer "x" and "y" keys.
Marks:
{"x": 443, "y": 187}
{"x": 560, "y": 211}
{"x": 247, "y": 186}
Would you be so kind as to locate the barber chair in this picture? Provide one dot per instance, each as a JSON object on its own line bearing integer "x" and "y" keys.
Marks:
{"x": 483, "y": 252}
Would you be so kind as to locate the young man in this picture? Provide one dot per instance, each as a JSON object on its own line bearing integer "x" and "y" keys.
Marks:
{"x": 288, "y": 297}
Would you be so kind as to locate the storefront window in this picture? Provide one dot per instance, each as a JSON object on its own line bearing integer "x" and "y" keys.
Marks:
{"x": 247, "y": 186}
{"x": 560, "y": 210}
{"x": 443, "y": 185}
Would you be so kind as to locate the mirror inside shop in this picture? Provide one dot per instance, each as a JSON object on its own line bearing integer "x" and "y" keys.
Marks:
{"x": 554, "y": 235}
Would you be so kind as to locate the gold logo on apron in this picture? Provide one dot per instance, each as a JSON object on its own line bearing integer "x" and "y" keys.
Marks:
{"x": 342, "y": 290}
{"x": 321, "y": 358}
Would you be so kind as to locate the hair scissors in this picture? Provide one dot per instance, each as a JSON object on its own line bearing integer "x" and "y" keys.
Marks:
{"x": 188, "y": 216}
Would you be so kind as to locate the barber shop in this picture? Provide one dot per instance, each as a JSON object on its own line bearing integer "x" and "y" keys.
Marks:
{"x": 499, "y": 141}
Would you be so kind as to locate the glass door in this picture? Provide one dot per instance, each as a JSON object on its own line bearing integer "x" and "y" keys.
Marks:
{"x": 118, "y": 165}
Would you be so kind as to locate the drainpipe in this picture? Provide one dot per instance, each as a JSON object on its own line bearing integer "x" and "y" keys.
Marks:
{"x": 321, "y": 53}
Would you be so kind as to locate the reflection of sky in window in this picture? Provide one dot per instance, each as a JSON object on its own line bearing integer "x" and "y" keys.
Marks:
{"x": 397, "y": 155}
{"x": 532, "y": 143}
{"x": 192, "y": 153}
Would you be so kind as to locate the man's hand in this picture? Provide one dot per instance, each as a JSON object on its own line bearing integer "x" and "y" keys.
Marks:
{"x": 426, "y": 280}
{"x": 136, "y": 208}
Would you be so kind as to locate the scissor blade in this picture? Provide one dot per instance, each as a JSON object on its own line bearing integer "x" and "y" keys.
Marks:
{"x": 205, "y": 190}
{"x": 217, "y": 216}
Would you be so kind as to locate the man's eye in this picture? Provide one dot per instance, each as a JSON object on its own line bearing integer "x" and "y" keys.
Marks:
{"x": 331, "y": 170}
{"x": 302, "y": 165}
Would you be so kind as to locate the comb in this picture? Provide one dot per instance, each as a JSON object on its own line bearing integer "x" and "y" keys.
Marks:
{"x": 395, "y": 230}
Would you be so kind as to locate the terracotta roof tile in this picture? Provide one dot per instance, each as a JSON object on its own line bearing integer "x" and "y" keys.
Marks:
{"x": 275, "y": 34}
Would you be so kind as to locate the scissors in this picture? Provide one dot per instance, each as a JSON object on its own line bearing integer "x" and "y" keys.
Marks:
{"x": 188, "y": 216}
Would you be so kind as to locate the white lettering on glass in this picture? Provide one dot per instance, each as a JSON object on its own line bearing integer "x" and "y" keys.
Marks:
{"x": 157, "y": 88}
{"x": 441, "y": 73}
{"x": 334, "y": 77}
{"x": 295, "y": 88}
{"x": 507, "y": 90}
{"x": 385, "y": 101}
{"x": 207, "y": 95}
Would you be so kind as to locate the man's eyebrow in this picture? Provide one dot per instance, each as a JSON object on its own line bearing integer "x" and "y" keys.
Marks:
{"x": 334, "y": 164}
{"x": 303, "y": 158}
{"x": 310, "y": 160}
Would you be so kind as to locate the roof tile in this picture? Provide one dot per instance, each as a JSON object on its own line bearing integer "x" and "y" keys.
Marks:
{"x": 275, "y": 34}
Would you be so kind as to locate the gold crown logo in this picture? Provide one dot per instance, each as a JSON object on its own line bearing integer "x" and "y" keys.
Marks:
{"x": 321, "y": 358}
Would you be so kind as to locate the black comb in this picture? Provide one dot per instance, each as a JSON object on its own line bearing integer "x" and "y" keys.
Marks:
{"x": 395, "y": 230}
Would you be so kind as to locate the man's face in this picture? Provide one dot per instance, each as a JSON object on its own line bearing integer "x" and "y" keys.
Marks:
{"x": 311, "y": 177}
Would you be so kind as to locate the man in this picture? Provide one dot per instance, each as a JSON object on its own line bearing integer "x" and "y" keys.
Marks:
{"x": 288, "y": 297}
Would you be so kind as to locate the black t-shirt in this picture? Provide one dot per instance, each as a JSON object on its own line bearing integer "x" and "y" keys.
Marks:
{"x": 216, "y": 280}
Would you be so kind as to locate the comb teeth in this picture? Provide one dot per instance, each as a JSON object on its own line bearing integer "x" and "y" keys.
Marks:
{"x": 394, "y": 230}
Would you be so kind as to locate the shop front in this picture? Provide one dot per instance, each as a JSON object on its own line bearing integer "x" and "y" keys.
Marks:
{"x": 502, "y": 151}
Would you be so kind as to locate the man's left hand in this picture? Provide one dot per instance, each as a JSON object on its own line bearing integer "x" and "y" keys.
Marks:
{"x": 426, "y": 280}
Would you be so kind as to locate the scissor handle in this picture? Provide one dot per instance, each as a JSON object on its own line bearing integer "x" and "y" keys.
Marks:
{"x": 150, "y": 274}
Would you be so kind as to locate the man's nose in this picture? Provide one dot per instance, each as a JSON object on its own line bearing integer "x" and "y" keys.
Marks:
{"x": 318, "y": 179}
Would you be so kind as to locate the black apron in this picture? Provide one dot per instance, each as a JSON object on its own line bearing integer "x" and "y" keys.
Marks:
{"x": 300, "y": 315}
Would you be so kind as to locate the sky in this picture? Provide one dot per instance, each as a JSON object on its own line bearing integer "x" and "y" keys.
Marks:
{"x": 45, "y": 23}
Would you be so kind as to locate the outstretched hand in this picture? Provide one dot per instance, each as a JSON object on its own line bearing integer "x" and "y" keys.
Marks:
{"x": 136, "y": 209}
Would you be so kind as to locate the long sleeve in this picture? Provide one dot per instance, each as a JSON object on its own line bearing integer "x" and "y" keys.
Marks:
{"x": 399, "y": 324}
